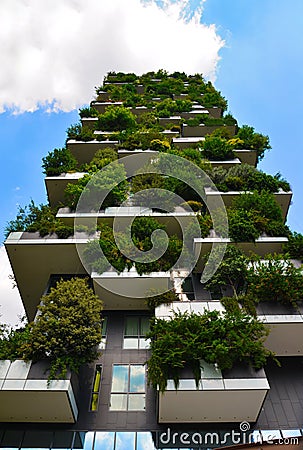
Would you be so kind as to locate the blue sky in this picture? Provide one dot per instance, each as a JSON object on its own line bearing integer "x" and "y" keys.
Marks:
{"x": 252, "y": 50}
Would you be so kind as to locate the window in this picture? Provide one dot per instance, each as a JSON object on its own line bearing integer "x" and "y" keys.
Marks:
{"x": 103, "y": 333}
{"x": 136, "y": 328}
{"x": 128, "y": 388}
{"x": 96, "y": 389}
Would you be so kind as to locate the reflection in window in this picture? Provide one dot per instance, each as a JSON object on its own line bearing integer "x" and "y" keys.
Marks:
{"x": 105, "y": 440}
{"x": 125, "y": 441}
{"x": 128, "y": 388}
{"x": 96, "y": 389}
{"x": 136, "y": 328}
{"x": 103, "y": 334}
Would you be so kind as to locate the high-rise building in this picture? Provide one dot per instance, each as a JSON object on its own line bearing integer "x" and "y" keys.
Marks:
{"x": 162, "y": 132}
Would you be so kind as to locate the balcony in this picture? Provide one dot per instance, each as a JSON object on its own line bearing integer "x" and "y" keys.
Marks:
{"x": 286, "y": 328}
{"x": 202, "y": 130}
{"x": 283, "y": 199}
{"x": 262, "y": 246}
{"x": 35, "y": 258}
{"x": 26, "y": 395}
{"x": 89, "y": 122}
{"x": 101, "y": 106}
{"x": 56, "y": 185}
{"x": 85, "y": 151}
{"x": 170, "y": 219}
{"x": 231, "y": 396}
{"x": 128, "y": 289}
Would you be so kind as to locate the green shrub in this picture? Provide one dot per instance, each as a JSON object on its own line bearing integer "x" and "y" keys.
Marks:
{"x": 79, "y": 133}
{"x": 249, "y": 139}
{"x": 186, "y": 339}
{"x": 294, "y": 247}
{"x": 117, "y": 118}
{"x": 217, "y": 149}
{"x": 68, "y": 328}
{"x": 276, "y": 280}
{"x": 88, "y": 112}
{"x": 60, "y": 160}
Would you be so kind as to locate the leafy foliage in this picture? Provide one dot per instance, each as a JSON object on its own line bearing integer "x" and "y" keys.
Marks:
{"x": 215, "y": 148}
{"x": 40, "y": 218}
{"x": 60, "y": 160}
{"x": 275, "y": 279}
{"x": 186, "y": 339}
{"x": 67, "y": 329}
{"x": 117, "y": 118}
{"x": 249, "y": 139}
{"x": 231, "y": 272}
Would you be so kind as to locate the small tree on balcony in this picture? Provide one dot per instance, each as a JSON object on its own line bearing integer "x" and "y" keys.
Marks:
{"x": 67, "y": 329}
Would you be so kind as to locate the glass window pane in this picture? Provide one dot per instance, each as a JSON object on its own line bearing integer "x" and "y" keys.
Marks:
{"x": 104, "y": 327}
{"x": 145, "y": 441}
{"x": 104, "y": 440}
{"x": 118, "y": 402}
{"x": 120, "y": 378}
{"x": 144, "y": 343}
{"x": 63, "y": 440}
{"x": 137, "y": 378}
{"x": 84, "y": 440}
{"x": 136, "y": 402}
{"x": 37, "y": 439}
{"x": 125, "y": 440}
{"x": 144, "y": 326}
{"x": 12, "y": 438}
{"x": 131, "y": 326}
{"x": 130, "y": 343}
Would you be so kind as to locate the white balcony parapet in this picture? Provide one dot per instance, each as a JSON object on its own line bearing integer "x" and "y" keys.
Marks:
{"x": 231, "y": 397}
{"x": 26, "y": 399}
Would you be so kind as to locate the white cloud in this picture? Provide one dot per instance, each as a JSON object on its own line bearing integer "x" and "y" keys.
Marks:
{"x": 10, "y": 302}
{"x": 53, "y": 52}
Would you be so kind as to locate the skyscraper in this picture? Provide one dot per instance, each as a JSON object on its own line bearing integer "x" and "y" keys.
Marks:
{"x": 154, "y": 153}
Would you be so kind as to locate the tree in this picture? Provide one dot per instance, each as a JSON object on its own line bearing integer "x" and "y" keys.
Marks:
{"x": 67, "y": 329}
{"x": 58, "y": 161}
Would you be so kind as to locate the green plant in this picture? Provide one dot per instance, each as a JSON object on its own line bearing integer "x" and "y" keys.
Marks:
{"x": 231, "y": 271}
{"x": 60, "y": 160}
{"x": 40, "y": 218}
{"x": 106, "y": 181}
{"x": 255, "y": 213}
{"x": 67, "y": 329}
{"x": 117, "y": 118}
{"x": 186, "y": 339}
{"x": 275, "y": 279}
{"x": 79, "y": 133}
{"x": 249, "y": 139}
{"x": 294, "y": 246}
{"x": 101, "y": 158}
{"x": 215, "y": 148}
{"x": 153, "y": 301}
{"x": 88, "y": 112}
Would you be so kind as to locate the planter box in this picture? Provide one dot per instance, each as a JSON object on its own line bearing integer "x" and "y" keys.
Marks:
{"x": 26, "y": 396}
{"x": 85, "y": 151}
{"x": 139, "y": 110}
{"x": 282, "y": 198}
{"x": 89, "y": 122}
{"x": 128, "y": 289}
{"x": 214, "y": 112}
{"x": 233, "y": 396}
{"x": 247, "y": 156}
{"x": 167, "y": 120}
{"x": 56, "y": 185}
{"x": 203, "y": 130}
{"x": 103, "y": 96}
{"x": 286, "y": 328}
{"x": 102, "y": 106}
{"x": 262, "y": 246}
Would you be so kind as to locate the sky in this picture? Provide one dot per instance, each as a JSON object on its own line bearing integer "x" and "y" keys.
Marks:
{"x": 53, "y": 53}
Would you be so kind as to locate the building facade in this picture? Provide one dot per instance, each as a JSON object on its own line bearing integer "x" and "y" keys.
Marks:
{"x": 110, "y": 404}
